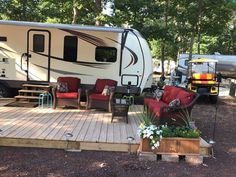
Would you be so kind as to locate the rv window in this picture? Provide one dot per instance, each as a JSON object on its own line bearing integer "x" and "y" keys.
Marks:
{"x": 70, "y": 48}
{"x": 38, "y": 43}
{"x": 3, "y": 39}
{"x": 105, "y": 54}
{"x": 186, "y": 62}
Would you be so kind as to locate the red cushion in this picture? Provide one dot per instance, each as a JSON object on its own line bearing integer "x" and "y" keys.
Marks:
{"x": 185, "y": 97}
{"x": 73, "y": 83}
{"x": 170, "y": 93}
{"x": 67, "y": 95}
{"x": 99, "y": 97}
{"x": 100, "y": 84}
{"x": 156, "y": 105}
{"x": 147, "y": 100}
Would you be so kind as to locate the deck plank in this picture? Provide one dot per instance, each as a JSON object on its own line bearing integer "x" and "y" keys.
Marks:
{"x": 103, "y": 134}
{"x": 98, "y": 127}
{"x": 38, "y": 126}
{"x": 84, "y": 129}
{"x": 45, "y": 126}
{"x": 79, "y": 120}
{"x": 15, "y": 121}
{"x": 53, "y": 125}
{"x": 55, "y": 133}
{"x": 92, "y": 127}
{"x": 26, "y": 125}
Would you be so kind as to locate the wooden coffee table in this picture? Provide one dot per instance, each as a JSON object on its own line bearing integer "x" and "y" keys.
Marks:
{"x": 120, "y": 108}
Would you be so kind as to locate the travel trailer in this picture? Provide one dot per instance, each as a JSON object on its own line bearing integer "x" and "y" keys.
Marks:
{"x": 40, "y": 53}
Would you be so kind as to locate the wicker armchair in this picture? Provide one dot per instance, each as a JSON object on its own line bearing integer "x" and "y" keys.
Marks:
{"x": 69, "y": 98}
{"x": 163, "y": 113}
{"x": 95, "y": 98}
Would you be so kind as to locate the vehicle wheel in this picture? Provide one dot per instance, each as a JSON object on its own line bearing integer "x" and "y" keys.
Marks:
{"x": 213, "y": 99}
{"x": 3, "y": 91}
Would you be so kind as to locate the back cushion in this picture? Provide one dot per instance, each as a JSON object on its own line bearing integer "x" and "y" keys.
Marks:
{"x": 73, "y": 83}
{"x": 185, "y": 97}
{"x": 170, "y": 93}
{"x": 100, "y": 84}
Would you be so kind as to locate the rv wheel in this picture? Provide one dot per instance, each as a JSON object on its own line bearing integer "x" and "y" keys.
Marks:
{"x": 213, "y": 99}
{"x": 3, "y": 92}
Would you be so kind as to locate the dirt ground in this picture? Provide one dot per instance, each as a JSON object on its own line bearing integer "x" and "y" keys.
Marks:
{"x": 57, "y": 163}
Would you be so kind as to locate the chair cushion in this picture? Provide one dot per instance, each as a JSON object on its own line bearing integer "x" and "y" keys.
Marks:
{"x": 175, "y": 103}
{"x": 72, "y": 82}
{"x": 100, "y": 84}
{"x": 62, "y": 87}
{"x": 101, "y": 97}
{"x": 67, "y": 95}
{"x": 158, "y": 94}
{"x": 106, "y": 90}
{"x": 170, "y": 93}
{"x": 154, "y": 105}
{"x": 185, "y": 97}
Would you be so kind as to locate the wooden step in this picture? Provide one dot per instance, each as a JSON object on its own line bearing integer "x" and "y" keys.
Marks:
{"x": 32, "y": 91}
{"x": 36, "y": 86}
{"x": 26, "y": 97}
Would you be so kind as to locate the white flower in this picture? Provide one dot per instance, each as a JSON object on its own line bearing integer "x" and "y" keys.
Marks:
{"x": 151, "y": 137}
{"x": 158, "y": 132}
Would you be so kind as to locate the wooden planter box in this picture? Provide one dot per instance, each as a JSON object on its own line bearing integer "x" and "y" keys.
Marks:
{"x": 180, "y": 146}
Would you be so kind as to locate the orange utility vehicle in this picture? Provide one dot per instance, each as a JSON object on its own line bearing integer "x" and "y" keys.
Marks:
{"x": 203, "y": 78}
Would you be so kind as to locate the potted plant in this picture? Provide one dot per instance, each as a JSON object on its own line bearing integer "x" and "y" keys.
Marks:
{"x": 149, "y": 133}
{"x": 169, "y": 139}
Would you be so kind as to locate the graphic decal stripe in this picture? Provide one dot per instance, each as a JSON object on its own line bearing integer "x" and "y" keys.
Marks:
{"x": 86, "y": 37}
{"x": 62, "y": 72}
{"x": 135, "y": 57}
{"x": 7, "y": 50}
{"x": 132, "y": 60}
{"x": 88, "y": 64}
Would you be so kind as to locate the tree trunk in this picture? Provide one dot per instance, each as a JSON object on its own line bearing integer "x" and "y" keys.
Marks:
{"x": 98, "y": 4}
{"x": 191, "y": 43}
{"x": 199, "y": 41}
{"x": 198, "y": 27}
{"x": 162, "y": 60}
{"x": 75, "y": 15}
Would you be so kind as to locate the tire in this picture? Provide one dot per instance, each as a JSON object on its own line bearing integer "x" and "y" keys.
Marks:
{"x": 4, "y": 92}
{"x": 213, "y": 99}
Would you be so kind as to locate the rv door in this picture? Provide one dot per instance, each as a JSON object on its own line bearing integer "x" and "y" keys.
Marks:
{"x": 38, "y": 55}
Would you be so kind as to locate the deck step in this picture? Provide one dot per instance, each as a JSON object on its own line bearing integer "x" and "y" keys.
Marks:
{"x": 36, "y": 86}
{"x": 31, "y": 91}
{"x": 26, "y": 97}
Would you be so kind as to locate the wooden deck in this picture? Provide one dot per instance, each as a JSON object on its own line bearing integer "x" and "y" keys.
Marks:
{"x": 90, "y": 129}
{"x": 47, "y": 128}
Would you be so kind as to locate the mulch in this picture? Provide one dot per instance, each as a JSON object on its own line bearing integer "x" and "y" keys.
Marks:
{"x": 57, "y": 163}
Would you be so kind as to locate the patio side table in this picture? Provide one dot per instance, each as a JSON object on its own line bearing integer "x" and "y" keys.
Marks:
{"x": 120, "y": 108}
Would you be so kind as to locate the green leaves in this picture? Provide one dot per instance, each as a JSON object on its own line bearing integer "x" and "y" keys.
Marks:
{"x": 169, "y": 24}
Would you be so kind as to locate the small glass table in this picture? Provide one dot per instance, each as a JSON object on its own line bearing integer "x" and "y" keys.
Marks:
{"x": 120, "y": 108}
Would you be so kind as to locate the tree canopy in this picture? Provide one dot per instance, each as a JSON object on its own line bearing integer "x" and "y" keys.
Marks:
{"x": 170, "y": 26}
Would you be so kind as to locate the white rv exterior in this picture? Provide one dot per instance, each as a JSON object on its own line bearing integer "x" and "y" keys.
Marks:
{"x": 38, "y": 52}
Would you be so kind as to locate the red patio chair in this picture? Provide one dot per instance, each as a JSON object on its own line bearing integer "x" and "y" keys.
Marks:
{"x": 96, "y": 98}
{"x": 67, "y": 92}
